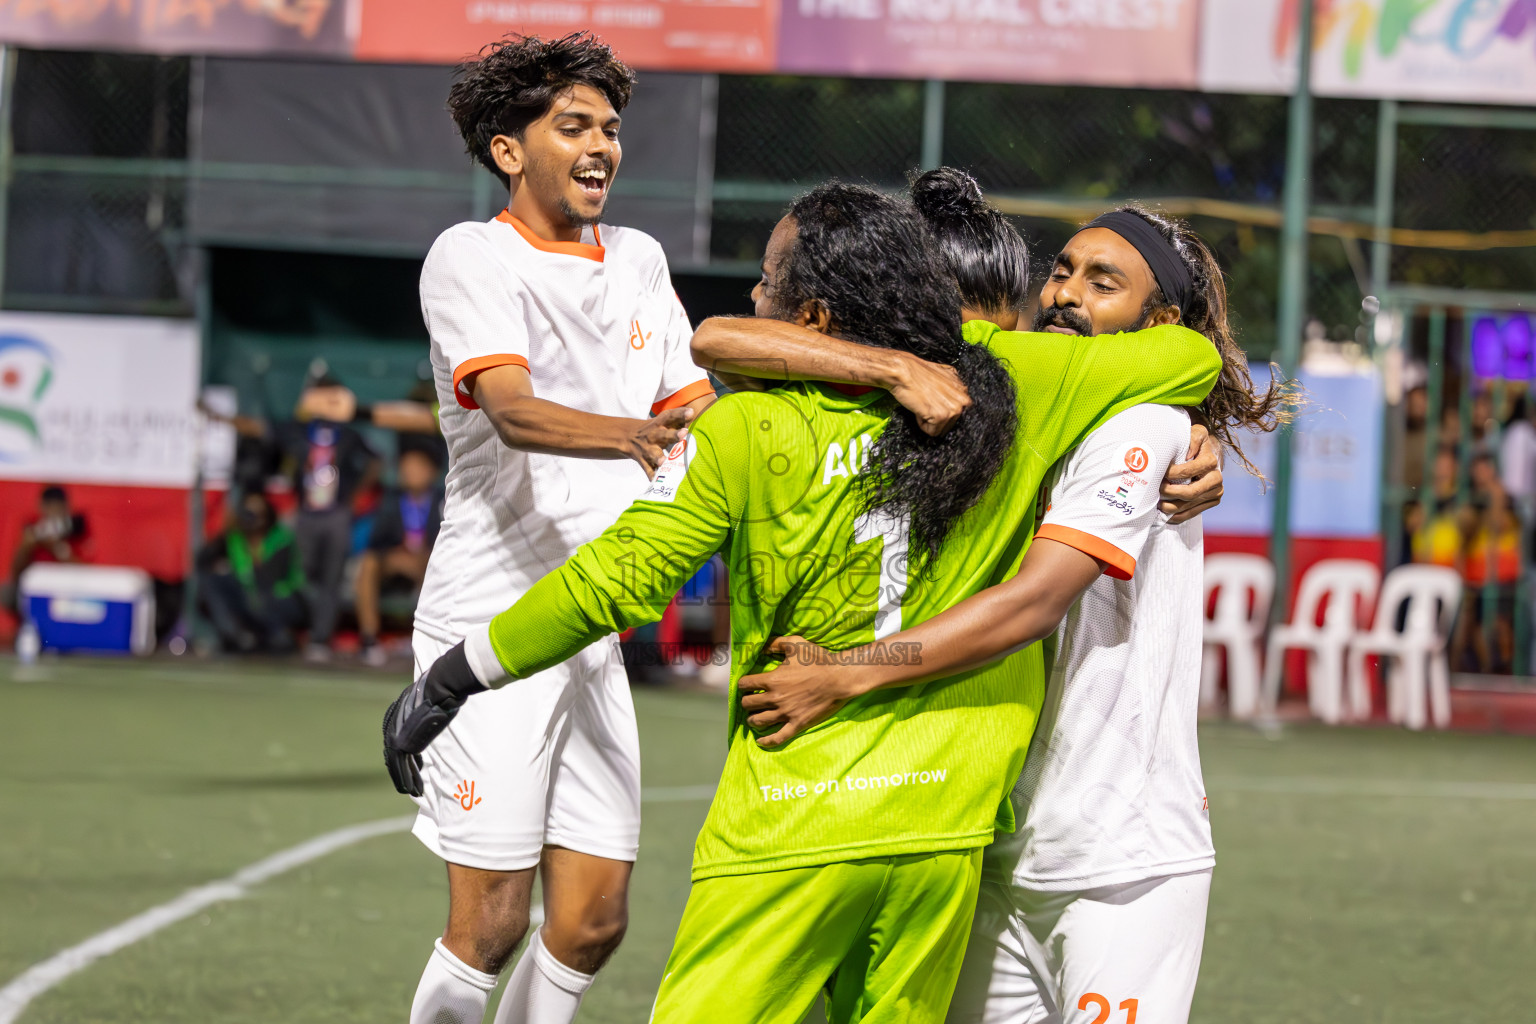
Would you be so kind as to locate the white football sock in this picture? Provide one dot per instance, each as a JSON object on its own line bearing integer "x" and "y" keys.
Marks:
{"x": 451, "y": 991}
{"x": 542, "y": 990}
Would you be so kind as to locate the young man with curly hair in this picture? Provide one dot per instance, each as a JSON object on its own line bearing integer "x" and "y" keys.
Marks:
{"x": 561, "y": 359}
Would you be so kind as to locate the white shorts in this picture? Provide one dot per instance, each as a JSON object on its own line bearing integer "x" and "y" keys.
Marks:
{"x": 1105, "y": 956}
{"x": 551, "y": 760}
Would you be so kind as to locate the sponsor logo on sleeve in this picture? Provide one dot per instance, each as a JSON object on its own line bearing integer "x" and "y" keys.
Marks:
{"x": 669, "y": 475}
{"x": 1123, "y": 497}
{"x": 1116, "y": 501}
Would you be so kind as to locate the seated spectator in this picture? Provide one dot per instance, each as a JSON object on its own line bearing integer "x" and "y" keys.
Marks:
{"x": 251, "y": 580}
{"x": 404, "y": 529}
{"x": 55, "y": 534}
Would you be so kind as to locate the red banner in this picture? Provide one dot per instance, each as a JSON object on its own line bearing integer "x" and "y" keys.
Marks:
{"x": 1096, "y": 42}
{"x": 179, "y": 26}
{"x": 1086, "y": 42}
{"x": 735, "y": 35}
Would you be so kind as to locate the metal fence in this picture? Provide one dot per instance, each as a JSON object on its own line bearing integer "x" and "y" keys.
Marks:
{"x": 95, "y": 203}
{"x": 101, "y": 153}
{"x": 1432, "y": 210}
{"x": 1052, "y": 156}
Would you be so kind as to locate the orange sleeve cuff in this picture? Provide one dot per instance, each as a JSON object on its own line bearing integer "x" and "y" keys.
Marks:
{"x": 1118, "y": 564}
{"x": 693, "y": 392}
{"x": 464, "y": 375}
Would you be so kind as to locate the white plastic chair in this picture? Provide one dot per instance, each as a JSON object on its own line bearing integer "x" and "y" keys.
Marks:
{"x": 1345, "y": 582}
{"x": 1233, "y": 627}
{"x": 1414, "y": 658}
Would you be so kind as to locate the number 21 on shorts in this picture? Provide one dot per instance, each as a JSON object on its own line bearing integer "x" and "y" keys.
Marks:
{"x": 1096, "y": 1000}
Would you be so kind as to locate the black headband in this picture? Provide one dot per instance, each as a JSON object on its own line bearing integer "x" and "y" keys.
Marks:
{"x": 1173, "y": 276}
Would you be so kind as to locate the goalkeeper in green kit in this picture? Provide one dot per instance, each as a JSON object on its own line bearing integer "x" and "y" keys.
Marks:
{"x": 848, "y": 859}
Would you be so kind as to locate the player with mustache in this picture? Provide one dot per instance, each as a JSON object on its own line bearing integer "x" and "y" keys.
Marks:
{"x": 1097, "y": 901}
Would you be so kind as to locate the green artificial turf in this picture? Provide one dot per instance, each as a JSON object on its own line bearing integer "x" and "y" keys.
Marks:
{"x": 1363, "y": 875}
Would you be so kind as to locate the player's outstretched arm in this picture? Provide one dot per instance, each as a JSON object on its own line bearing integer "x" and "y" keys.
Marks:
{"x": 420, "y": 714}
{"x": 812, "y": 683}
{"x": 778, "y": 350}
{"x": 624, "y": 578}
{"x": 531, "y": 424}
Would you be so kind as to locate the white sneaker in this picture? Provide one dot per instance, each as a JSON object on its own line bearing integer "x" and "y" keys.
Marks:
{"x": 317, "y": 654}
{"x": 374, "y": 656}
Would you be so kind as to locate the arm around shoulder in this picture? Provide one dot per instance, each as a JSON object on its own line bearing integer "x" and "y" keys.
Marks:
{"x": 807, "y": 687}
{"x": 629, "y": 574}
{"x": 778, "y": 350}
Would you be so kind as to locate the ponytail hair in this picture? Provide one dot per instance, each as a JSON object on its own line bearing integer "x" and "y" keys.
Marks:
{"x": 982, "y": 249}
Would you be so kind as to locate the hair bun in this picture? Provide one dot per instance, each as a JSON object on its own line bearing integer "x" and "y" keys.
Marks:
{"x": 948, "y": 193}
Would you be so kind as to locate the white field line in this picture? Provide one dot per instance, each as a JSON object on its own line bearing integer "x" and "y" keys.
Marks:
{"x": 1317, "y": 785}
{"x": 40, "y": 977}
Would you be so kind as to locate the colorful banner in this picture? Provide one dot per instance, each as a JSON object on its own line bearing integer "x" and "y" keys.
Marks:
{"x": 1473, "y": 51}
{"x": 98, "y": 399}
{"x": 179, "y": 26}
{"x": 1084, "y": 42}
{"x": 1467, "y": 51}
{"x": 733, "y": 35}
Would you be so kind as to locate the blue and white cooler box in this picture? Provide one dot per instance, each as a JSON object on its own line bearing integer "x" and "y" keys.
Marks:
{"x": 90, "y": 607}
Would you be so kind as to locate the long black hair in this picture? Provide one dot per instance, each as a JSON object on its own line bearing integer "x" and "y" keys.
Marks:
{"x": 983, "y": 250}
{"x": 1235, "y": 403}
{"x": 867, "y": 258}
{"x": 513, "y": 83}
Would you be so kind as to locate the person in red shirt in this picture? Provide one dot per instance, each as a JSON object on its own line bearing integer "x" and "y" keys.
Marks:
{"x": 56, "y": 534}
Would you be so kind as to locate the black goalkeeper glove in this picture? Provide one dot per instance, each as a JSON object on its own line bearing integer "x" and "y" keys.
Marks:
{"x": 422, "y": 712}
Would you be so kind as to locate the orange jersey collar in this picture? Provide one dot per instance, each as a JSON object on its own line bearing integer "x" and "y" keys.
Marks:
{"x": 582, "y": 249}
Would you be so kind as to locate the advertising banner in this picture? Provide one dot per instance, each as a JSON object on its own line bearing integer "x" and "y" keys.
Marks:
{"x": 1472, "y": 51}
{"x": 179, "y": 26}
{"x": 733, "y": 35}
{"x": 1468, "y": 51}
{"x": 1102, "y": 42}
{"x": 98, "y": 399}
{"x": 1336, "y": 470}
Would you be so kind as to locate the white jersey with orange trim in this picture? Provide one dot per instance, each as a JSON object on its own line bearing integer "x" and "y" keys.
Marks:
{"x": 1111, "y": 791}
{"x": 599, "y": 329}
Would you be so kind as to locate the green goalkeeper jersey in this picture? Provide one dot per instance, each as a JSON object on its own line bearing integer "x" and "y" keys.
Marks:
{"x": 769, "y": 481}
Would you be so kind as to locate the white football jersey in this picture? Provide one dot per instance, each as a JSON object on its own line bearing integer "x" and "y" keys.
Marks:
{"x": 599, "y": 329}
{"x": 1111, "y": 791}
